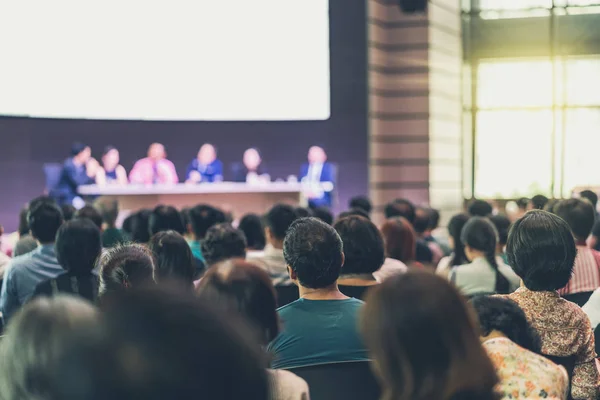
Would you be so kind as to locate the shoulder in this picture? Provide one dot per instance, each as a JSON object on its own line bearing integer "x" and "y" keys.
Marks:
{"x": 119, "y": 168}
{"x": 287, "y": 385}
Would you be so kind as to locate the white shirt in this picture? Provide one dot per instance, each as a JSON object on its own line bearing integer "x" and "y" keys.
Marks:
{"x": 479, "y": 277}
{"x": 592, "y": 308}
{"x": 314, "y": 172}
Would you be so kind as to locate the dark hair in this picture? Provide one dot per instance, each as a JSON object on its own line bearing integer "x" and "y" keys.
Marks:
{"x": 434, "y": 218}
{"x": 202, "y": 217}
{"x": 77, "y": 148}
{"x": 44, "y": 219}
{"x": 23, "y": 224}
{"x": 108, "y": 149}
{"x": 401, "y": 208}
{"x": 68, "y": 211}
{"x": 252, "y": 227}
{"x": 539, "y": 201}
{"x": 354, "y": 212}
{"x": 178, "y": 346}
{"x": 455, "y": 227}
{"x": 400, "y": 239}
{"x": 430, "y": 349}
{"x": 108, "y": 208}
{"x": 78, "y": 245}
{"x": 505, "y": 316}
{"x": 127, "y": 226}
{"x": 522, "y": 203}
{"x": 314, "y": 251}
{"x": 480, "y": 234}
{"x": 480, "y": 208}
{"x": 502, "y": 224}
{"x": 139, "y": 226}
{"x": 125, "y": 266}
{"x": 173, "y": 257}
{"x": 304, "y": 212}
{"x": 422, "y": 220}
{"x": 242, "y": 287}
{"x": 361, "y": 202}
{"x": 165, "y": 218}
{"x": 223, "y": 242}
{"x": 579, "y": 214}
{"x": 541, "y": 250}
{"x": 590, "y": 196}
{"x": 89, "y": 212}
{"x": 363, "y": 245}
{"x": 278, "y": 220}
{"x": 552, "y": 203}
{"x": 323, "y": 214}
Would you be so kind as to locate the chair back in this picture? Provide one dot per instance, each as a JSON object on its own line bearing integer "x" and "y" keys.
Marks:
{"x": 52, "y": 172}
{"x": 578, "y": 298}
{"x": 568, "y": 363}
{"x": 286, "y": 294}
{"x": 340, "y": 381}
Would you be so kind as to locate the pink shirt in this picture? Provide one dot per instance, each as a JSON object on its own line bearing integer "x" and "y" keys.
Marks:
{"x": 143, "y": 172}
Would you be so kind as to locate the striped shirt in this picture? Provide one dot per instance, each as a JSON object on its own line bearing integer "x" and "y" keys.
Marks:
{"x": 586, "y": 272}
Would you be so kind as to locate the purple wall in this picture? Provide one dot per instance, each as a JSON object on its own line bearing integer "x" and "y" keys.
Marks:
{"x": 27, "y": 143}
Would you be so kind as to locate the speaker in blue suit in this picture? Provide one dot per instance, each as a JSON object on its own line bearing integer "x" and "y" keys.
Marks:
{"x": 318, "y": 170}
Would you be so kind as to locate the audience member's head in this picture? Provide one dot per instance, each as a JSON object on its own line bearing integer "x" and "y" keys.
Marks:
{"x": 502, "y": 224}
{"x": 124, "y": 267}
{"x": 323, "y": 214}
{"x": 361, "y": 203}
{"x": 579, "y": 214}
{"x": 538, "y": 202}
{"x": 68, "y": 211}
{"x": 455, "y": 227}
{"x": 109, "y": 210}
{"x": 251, "y": 225}
{"x": 78, "y": 245}
{"x": 590, "y": 196}
{"x": 277, "y": 221}
{"x": 429, "y": 349}
{"x": 223, "y": 242}
{"x": 165, "y": 218}
{"x": 363, "y": 245}
{"x": 422, "y": 221}
{"x": 400, "y": 240}
{"x": 89, "y": 212}
{"x": 169, "y": 345}
{"x": 434, "y": 219}
{"x": 503, "y": 317}
{"x": 157, "y": 152}
{"x": 23, "y": 224}
{"x": 241, "y": 287}
{"x": 202, "y": 217}
{"x": 480, "y": 208}
{"x": 44, "y": 219}
{"x": 172, "y": 257}
{"x": 314, "y": 253}
{"x": 128, "y": 224}
{"x": 541, "y": 250}
{"x": 352, "y": 213}
{"x": 401, "y": 208}
{"x": 304, "y": 212}
{"x": 522, "y": 203}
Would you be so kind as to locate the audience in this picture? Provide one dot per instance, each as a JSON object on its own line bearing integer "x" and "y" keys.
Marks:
{"x": 252, "y": 227}
{"x": 480, "y": 208}
{"x": 223, "y": 242}
{"x": 89, "y": 212}
{"x": 421, "y": 225}
{"x": 276, "y": 223}
{"x": 77, "y": 247}
{"x": 361, "y": 203}
{"x": 579, "y": 215}
{"x": 400, "y": 241}
{"x": 173, "y": 259}
{"x": 458, "y": 256}
{"x": 68, "y": 211}
{"x": 538, "y": 202}
{"x": 542, "y": 251}
{"x": 202, "y": 217}
{"x": 502, "y": 224}
{"x": 364, "y": 254}
{"x": 109, "y": 211}
{"x": 590, "y": 196}
{"x": 26, "y": 242}
{"x": 321, "y": 326}
{"x": 485, "y": 273}
{"x": 244, "y": 289}
{"x": 512, "y": 345}
{"x": 125, "y": 267}
{"x": 353, "y": 212}
{"x": 304, "y": 212}
{"x": 139, "y": 226}
{"x": 165, "y": 218}
{"x": 26, "y": 272}
{"x": 404, "y": 208}
{"x": 323, "y": 214}
{"x": 436, "y": 233}
{"x": 424, "y": 343}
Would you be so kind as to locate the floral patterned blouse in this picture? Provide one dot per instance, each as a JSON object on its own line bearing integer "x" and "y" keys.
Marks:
{"x": 524, "y": 374}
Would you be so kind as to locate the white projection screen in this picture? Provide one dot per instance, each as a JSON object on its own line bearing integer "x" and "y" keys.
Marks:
{"x": 225, "y": 60}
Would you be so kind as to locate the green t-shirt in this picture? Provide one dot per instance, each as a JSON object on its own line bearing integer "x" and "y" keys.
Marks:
{"x": 318, "y": 332}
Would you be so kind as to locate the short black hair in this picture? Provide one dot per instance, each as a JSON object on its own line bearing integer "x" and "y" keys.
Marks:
{"x": 502, "y": 224}
{"x": 591, "y": 196}
{"x": 354, "y": 212}
{"x": 108, "y": 208}
{"x": 108, "y": 149}
{"x": 434, "y": 218}
{"x": 323, "y": 214}
{"x": 223, "y": 242}
{"x": 304, "y": 212}
{"x": 44, "y": 221}
{"x": 579, "y": 214}
{"x": 505, "y": 316}
{"x": 278, "y": 220}
{"x": 124, "y": 267}
{"x": 364, "y": 249}
{"x": 455, "y": 226}
{"x": 541, "y": 250}
{"x": 422, "y": 220}
{"x": 77, "y": 148}
{"x": 539, "y": 201}
{"x": 202, "y": 217}
{"x": 173, "y": 257}
{"x": 78, "y": 245}
{"x": 401, "y": 208}
{"x": 522, "y": 203}
{"x": 362, "y": 203}
{"x": 314, "y": 251}
{"x": 68, "y": 211}
{"x": 165, "y": 218}
{"x": 89, "y": 212}
{"x": 23, "y": 224}
{"x": 139, "y": 226}
{"x": 480, "y": 208}
{"x": 251, "y": 225}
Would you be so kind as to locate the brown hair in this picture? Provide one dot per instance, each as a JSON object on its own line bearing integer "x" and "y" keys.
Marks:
{"x": 400, "y": 239}
{"x": 424, "y": 340}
